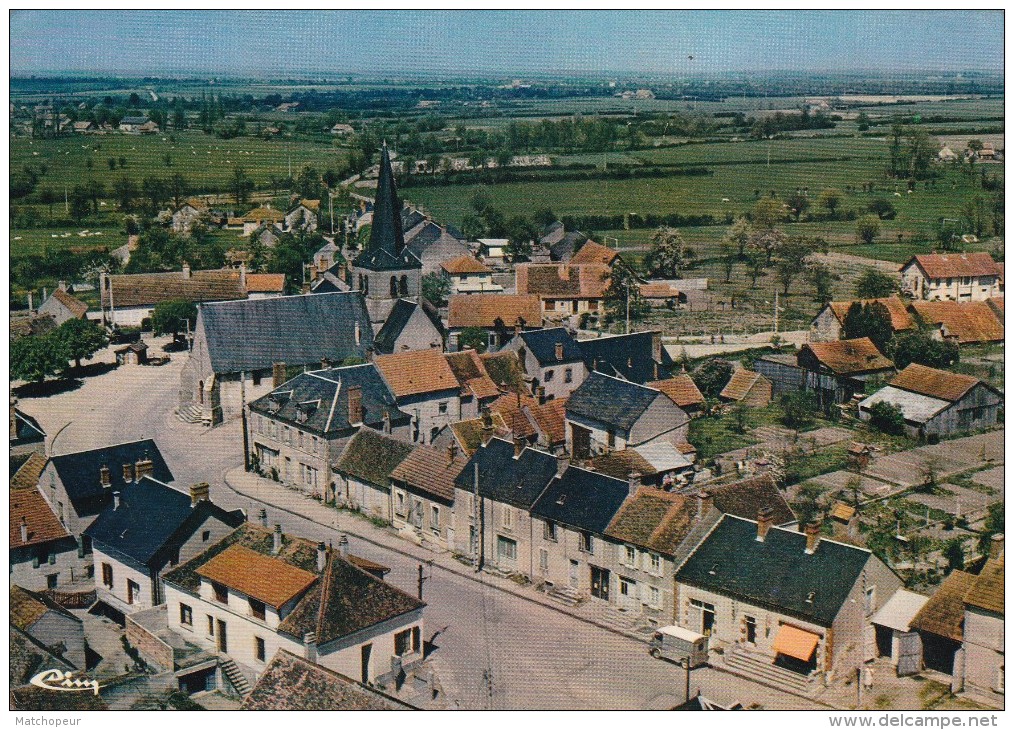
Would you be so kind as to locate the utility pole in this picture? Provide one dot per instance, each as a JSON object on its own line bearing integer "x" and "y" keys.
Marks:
{"x": 776, "y": 311}
{"x": 628, "y": 308}
{"x": 476, "y": 536}
{"x": 246, "y": 437}
{"x": 686, "y": 676}
{"x": 421, "y": 579}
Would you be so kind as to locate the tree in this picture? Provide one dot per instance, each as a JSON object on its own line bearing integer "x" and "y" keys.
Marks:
{"x": 792, "y": 260}
{"x": 171, "y": 316}
{"x": 829, "y": 200}
{"x": 738, "y": 235}
{"x": 80, "y": 338}
{"x": 862, "y": 122}
{"x": 799, "y": 408}
{"x": 888, "y": 418}
{"x": 711, "y": 377}
{"x": 992, "y": 526}
{"x": 669, "y": 254}
{"x": 875, "y": 284}
{"x": 472, "y": 227}
{"x": 34, "y": 358}
{"x": 178, "y": 189}
{"x": 95, "y": 191}
{"x": 241, "y": 186}
{"x": 755, "y": 262}
{"x": 154, "y": 190}
{"x": 543, "y": 217}
{"x": 623, "y": 296}
{"x": 436, "y": 287}
{"x": 767, "y": 212}
{"x": 822, "y": 278}
{"x": 920, "y": 347}
{"x": 520, "y": 234}
{"x": 867, "y": 229}
{"x": 798, "y": 203}
{"x": 954, "y": 553}
{"x": 79, "y": 203}
{"x": 768, "y": 240}
{"x": 125, "y": 192}
{"x": 872, "y": 320}
{"x": 47, "y": 197}
{"x": 474, "y": 338}
{"x": 728, "y": 257}
{"x": 882, "y": 208}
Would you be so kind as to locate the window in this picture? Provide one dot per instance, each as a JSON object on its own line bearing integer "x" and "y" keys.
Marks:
{"x": 654, "y": 597}
{"x": 416, "y": 639}
{"x": 435, "y": 517}
{"x": 314, "y": 440}
{"x": 133, "y": 591}
{"x": 507, "y": 516}
{"x": 107, "y": 575}
{"x": 257, "y": 378}
{"x": 259, "y": 650}
{"x": 51, "y": 581}
{"x": 506, "y": 549}
{"x": 394, "y": 287}
{"x": 206, "y": 535}
{"x": 211, "y": 626}
{"x": 549, "y": 530}
{"x": 256, "y": 608}
{"x": 628, "y": 588}
{"x": 402, "y": 642}
{"x": 751, "y": 629}
{"x": 221, "y": 593}
{"x": 548, "y": 376}
{"x": 655, "y": 563}
{"x": 399, "y": 502}
{"x": 186, "y": 615}
{"x": 442, "y": 408}
{"x": 287, "y": 433}
{"x": 611, "y": 439}
{"x": 630, "y": 555}
{"x": 300, "y": 439}
{"x": 568, "y": 375}
{"x": 871, "y": 599}
{"x": 585, "y": 543}
{"x": 706, "y": 614}
{"x": 543, "y": 559}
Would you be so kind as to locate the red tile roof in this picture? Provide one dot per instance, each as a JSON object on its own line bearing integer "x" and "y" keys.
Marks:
{"x": 465, "y": 265}
{"x": 845, "y": 357}
{"x": 968, "y": 321}
{"x": 943, "y": 265}
{"x": 267, "y": 579}
{"x": 987, "y": 590}
{"x": 944, "y": 613}
{"x": 75, "y": 306}
{"x": 482, "y": 310}
{"x": 471, "y": 374}
{"x": 136, "y": 290}
{"x": 658, "y": 290}
{"x": 28, "y": 474}
{"x": 431, "y": 470}
{"x": 900, "y": 318}
{"x": 594, "y": 253}
{"x": 654, "y": 519}
{"x": 934, "y": 383}
{"x": 563, "y": 281}
{"x": 681, "y": 388}
{"x": 740, "y": 383}
{"x": 43, "y": 525}
{"x": 416, "y": 372}
{"x": 265, "y": 283}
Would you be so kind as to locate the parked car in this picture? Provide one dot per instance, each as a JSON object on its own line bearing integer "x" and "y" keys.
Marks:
{"x": 678, "y": 644}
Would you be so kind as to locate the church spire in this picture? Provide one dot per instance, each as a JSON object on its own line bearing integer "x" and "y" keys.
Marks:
{"x": 386, "y": 232}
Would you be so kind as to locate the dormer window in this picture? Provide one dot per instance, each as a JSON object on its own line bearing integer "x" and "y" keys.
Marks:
{"x": 810, "y": 596}
{"x": 220, "y": 592}
{"x": 256, "y": 608}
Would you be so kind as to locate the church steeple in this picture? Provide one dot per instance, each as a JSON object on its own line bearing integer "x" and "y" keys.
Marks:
{"x": 386, "y": 250}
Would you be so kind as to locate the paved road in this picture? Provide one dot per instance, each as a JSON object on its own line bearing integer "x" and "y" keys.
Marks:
{"x": 492, "y": 649}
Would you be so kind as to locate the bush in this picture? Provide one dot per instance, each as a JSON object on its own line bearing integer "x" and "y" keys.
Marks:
{"x": 711, "y": 377}
{"x": 800, "y": 409}
{"x": 888, "y": 418}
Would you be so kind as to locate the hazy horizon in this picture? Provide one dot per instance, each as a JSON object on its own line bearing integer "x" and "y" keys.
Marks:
{"x": 266, "y": 44}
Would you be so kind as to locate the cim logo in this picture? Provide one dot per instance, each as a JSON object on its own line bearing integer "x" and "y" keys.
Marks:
{"x": 59, "y": 681}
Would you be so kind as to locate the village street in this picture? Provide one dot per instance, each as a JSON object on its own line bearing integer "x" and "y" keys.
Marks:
{"x": 494, "y": 649}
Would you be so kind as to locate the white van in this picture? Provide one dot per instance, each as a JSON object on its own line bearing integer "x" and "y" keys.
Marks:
{"x": 676, "y": 644}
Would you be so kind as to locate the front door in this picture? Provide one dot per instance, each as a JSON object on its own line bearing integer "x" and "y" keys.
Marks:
{"x": 581, "y": 438}
{"x": 364, "y": 673}
{"x": 600, "y": 583}
{"x": 909, "y": 653}
{"x": 573, "y": 573}
{"x": 223, "y": 642}
{"x": 628, "y": 594}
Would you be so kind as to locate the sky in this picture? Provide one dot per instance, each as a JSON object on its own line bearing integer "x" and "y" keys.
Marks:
{"x": 511, "y": 42}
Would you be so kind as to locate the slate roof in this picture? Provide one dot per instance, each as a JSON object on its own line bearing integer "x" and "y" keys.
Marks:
{"x": 563, "y": 281}
{"x": 542, "y": 344}
{"x": 483, "y": 310}
{"x": 629, "y": 356}
{"x": 900, "y": 318}
{"x": 371, "y": 456}
{"x": 290, "y": 682}
{"x": 318, "y": 401}
{"x": 386, "y": 249}
{"x": 416, "y": 373}
{"x": 747, "y": 497}
{"x": 934, "y": 383}
{"x": 776, "y": 574}
{"x": 986, "y": 591}
{"x": 968, "y": 321}
{"x": 563, "y": 250}
{"x": 430, "y": 471}
{"x": 740, "y": 383}
{"x": 75, "y": 306}
{"x": 253, "y": 334}
{"x": 27, "y": 429}
{"x": 944, "y": 266}
{"x": 849, "y": 357}
{"x": 594, "y": 253}
{"x": 502, "y": 478}
{"x": 582, "y": 499}
{"x": 142, "y": 290}
{"x": 28, "y": 474}
{"x": 79, "y": 472}
{"x": 43, "y": 525}
{"x": 944, "y": 613}
{"x": 397, "y": 320}
{"x": 27, "y": 607}
{"x": 151, "y": 518}
{"x": 428, "y": 234}
{"x": 654, "y": 520}
{"x": 611, "y": 401}
{"x": 681, "y": 388}
{"x": 465, "y": 265}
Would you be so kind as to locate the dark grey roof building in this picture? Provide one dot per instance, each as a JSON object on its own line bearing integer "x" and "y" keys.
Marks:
{"x": 611, "y": 401}
{"x": 410, "y": 326}
{"x": 582, "y": 499}
{"x": 503, "y": 477}
{"x": 638, "y": 357}
{"x": 386, "y": 249}
{"x": 543, "y": 346}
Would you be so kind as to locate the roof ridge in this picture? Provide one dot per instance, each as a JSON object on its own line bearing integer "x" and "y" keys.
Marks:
{"x": 325, "y": 586}
{"x": 100, "y": 448}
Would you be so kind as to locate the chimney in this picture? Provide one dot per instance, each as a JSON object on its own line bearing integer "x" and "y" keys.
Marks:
{"x": 704, "y": 502}
{"x": 116, "y": 500}
{"x": 144, "y": 467}
{"x": 277, "y": 374}
{"x": 310, "y": 646}
{"x": 104, "y": 477}
{"x": 186, "y": 270}
{"x": 369, "y": 353}
{"x": 24, "y": 530}
{"x": 358, "y": 332}
{"x": 276, "y": 543}
{"x": 452, "y": 452}
{"x": 61, "y": 285}
{"x": 200, "y": 492}
{"x": 562, "y": 462}
{"x": 356, "y": 405}
{"x": 387, "y": 421}
{"x": 128, "y": 473}
{"x": 812, "y": 537}
{"x": 540, "y": 394}
{"x": 559, "y": 352}
{"x": 563, "y": 271}
{"x": 656, "y": 347}
{"x": 996, "y": 546}
{"x": 486, "y": 432}
{"x": 262, "y": 517}
{"x": 321, "y": 557}
{"x": 517, "y": 324}
{"x": 632, "y": 484}
{"x": 765, "y": 517}
{"x": 325, "y": 363}
{"x": 519, "y": 446}
{"x": 343, "y": 547}
{"x": 313, "y": 272}
{"x": 242, "y": 276}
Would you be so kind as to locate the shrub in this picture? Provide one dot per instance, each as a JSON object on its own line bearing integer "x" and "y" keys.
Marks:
{"x": 887, "y": 418}
{"x": 799, "y": 409}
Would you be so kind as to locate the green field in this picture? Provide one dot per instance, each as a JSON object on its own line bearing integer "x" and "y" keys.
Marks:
{"x": 205, "y": 160}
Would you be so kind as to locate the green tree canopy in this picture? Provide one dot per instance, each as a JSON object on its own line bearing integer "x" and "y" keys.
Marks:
{"x": 669, "y": 254}
{"x": 623, "y": 296}
{"x": 436, "y": 287}
{"x": 170, "y": 317}
{"x": 80, "y": 338}
{"x": 711, "y": 377}
{"x": 474, "y": 338}
{"x": 875, "y": 284}
{"x": 921, "y": 348}
{"x": 871, "y": 320}
{"x": 888, "y": 418}
{"x": 867, "y": 229}
{"x": 34, "y": 358}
